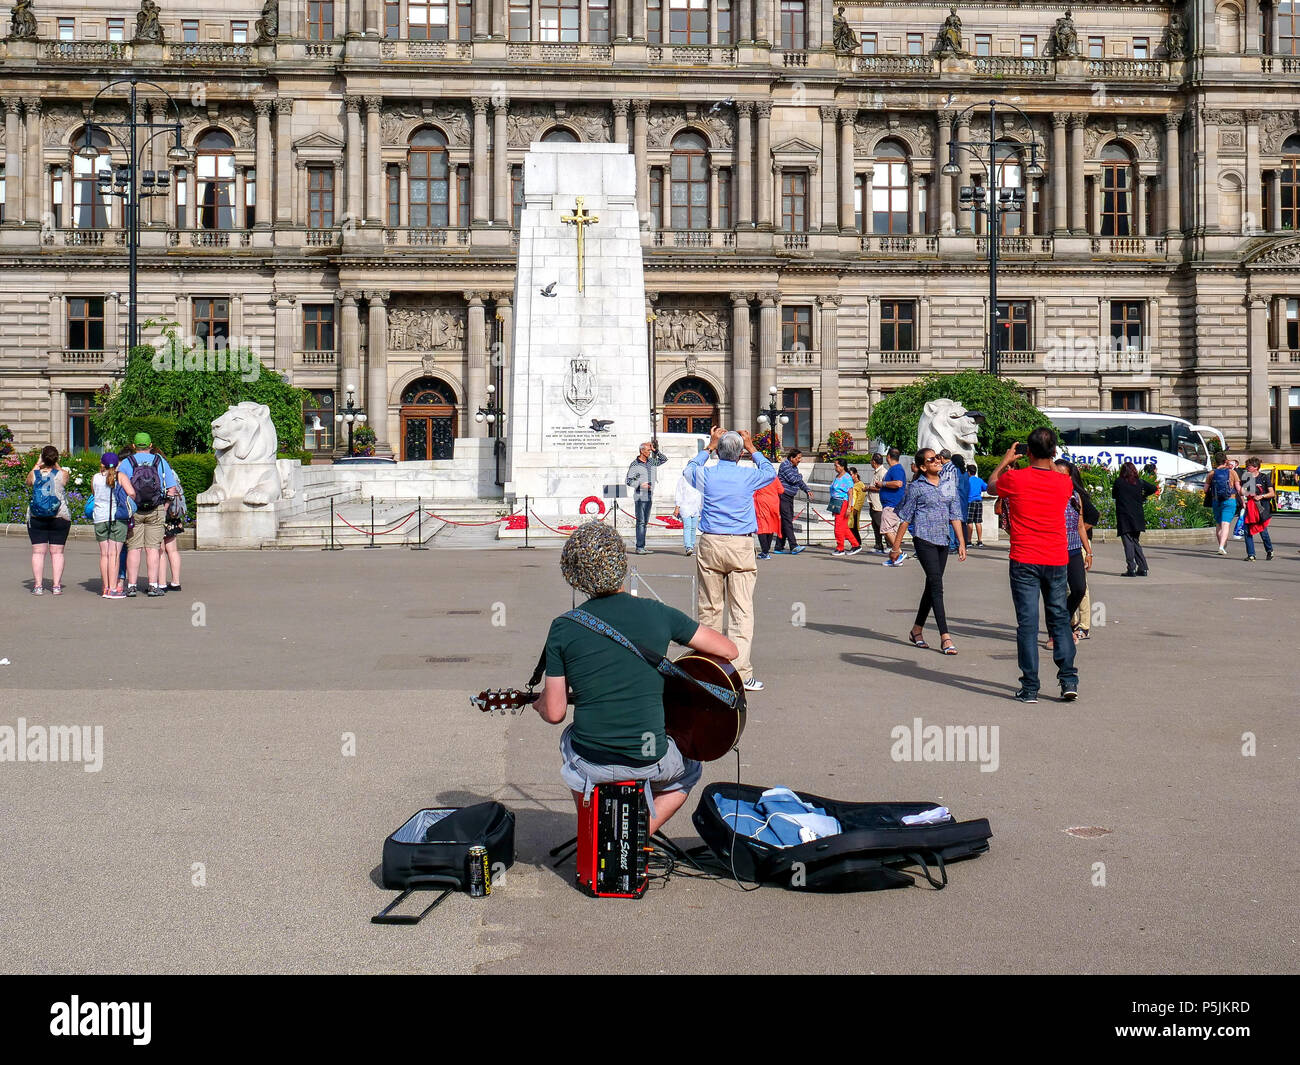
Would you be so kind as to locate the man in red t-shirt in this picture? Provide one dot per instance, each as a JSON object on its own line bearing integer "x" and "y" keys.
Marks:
{"x": 1034, "y": 499}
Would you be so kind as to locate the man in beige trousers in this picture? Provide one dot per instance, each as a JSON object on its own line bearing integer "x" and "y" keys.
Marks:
{"x": 724, "y": 554}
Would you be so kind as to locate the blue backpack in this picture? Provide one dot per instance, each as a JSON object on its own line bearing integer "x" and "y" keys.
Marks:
{"x": 1222, "y": 485}
{"x": 45, "y": 504}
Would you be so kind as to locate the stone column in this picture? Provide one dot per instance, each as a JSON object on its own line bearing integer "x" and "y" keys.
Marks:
{"x": 374, "y": 161}
{"x": 191, "y": 197}
{"x": 501, "y": 357}
{"x": 638, "y": 20}
{"x": 404, "y": 192}
{"x": 742, "y": 384}
{"x": 763, "y": 164}
{"x": 283, "y": 163}
{"x": 813, "y": 31}
{"x": 500, "y": 20}
{"x": 947, "y": 220}
{"x": 32, "y": 169}
{"x": 285, "y": 332}
{"x": 356, "y": 18}
{"x": 847, "y": 164}
{"x": 337, "y": 169}
{"x": 1257, "y": 373}
{"x": 963, "y": 179}
{"x": 830, "y": 172}
{"x": 868, "y": 219}
{"x": 500, "y": 171}
{"x": 1027, "y": 216}
{"x": 377, "y": 377}
{"x": 769, "y": 343}
{"x": 479, "y": 174}
{"x": 241, "y": 198}
{"x": 350, "y": 347}
{"x": 1274, "y": 205}
{"x": 830, "y": 405}
{"x": 762, "y": 19}
{"x": 914, "y": 181}
{"x": 356, "y": 178}
{"x": 1250, "y": 35}
{"x": 814, "y": 201}
{"x": 743, "y": 16}
{"x": 1211, "y": 182}
{"x": 1096, "y": 193}
{"x": 67, "y": 200}
{"x": 1078, "y": 199}
{"x": 14, "y": 163}
{"x": 482, "y": 18}
{"x": 476, "y": 379}
{"x": 620, "y": 120}
{"x": 1172, "y": 196}
{"x": 640, "y": 112}
{"x": 1060, "y": 176}
{"x": 1254, "y": 176}
{"x": 374, "y": 15}
{"x": 744, "y": 205}
{"x": 923, "y": 323}
{"x": 262, "y": 152}
{"x": 1139, "y": 224}
{"x": 713, "y": 195}
{"x": 301, "y": 213}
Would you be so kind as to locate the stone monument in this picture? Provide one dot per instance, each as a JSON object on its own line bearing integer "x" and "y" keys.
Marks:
{"x": 580, "y": 380}
{"x": 240, "y": 509}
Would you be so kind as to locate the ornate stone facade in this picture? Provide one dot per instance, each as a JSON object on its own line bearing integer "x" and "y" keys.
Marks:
{"x": 784, "y": 253}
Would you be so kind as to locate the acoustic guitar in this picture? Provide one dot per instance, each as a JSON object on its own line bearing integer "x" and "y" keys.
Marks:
{"x": 703, "y": 726}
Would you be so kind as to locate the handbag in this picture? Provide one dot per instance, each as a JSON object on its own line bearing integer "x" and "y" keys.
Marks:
{"x": 88, "y": 511}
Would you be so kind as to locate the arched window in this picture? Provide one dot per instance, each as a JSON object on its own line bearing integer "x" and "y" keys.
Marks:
{"x": 215, "y": 169}
{"x": 891, "y": 190}
{"x": 1010, "y": 176}
{"x": 559, "y": 135}
{"x": 690, "y": 182}
{"x": 690, "y": 406}
{"x": 1227, "y": 29}
{"x": 90, "y": 209}
{"x": 428, "y": 392}
{"x": 1291, "y": 183}
{"x": 1116, "y": 191}
{"x": 429, "y": 180}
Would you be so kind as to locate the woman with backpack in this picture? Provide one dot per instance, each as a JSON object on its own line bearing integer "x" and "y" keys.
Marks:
{"x": 1221, "y": 493}
{"x": 114, "y": 500}
{"x": 48, "y": 518}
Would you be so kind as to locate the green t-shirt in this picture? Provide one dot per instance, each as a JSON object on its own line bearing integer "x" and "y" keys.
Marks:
{"x": 617, "y": 698}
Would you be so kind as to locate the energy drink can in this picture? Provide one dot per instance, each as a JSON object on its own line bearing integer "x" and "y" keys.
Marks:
{"x": 478, "y": 874}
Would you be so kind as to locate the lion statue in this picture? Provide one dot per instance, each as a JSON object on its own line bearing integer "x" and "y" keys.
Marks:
{"x": 947, "y": 425}
{"x": 245, "y": 441}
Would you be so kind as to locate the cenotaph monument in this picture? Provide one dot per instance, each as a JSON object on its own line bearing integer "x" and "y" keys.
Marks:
{"x": 580, "y": 401}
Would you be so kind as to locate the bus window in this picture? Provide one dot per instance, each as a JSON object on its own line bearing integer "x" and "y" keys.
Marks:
{"x": 1152, "y": 436}
{"x": 1067, "y": 430}
{"x": 1189, "y": 445}
{"x": 1101, "y": 433}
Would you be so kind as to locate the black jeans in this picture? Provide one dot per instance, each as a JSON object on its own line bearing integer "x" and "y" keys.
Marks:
{"x": 1028, "y": 581}
{"x": 934, "y": 560}
{"x": 875, "y": 528}
{"x": 765, "y": 542}
{"x": 1134, "y": 559}
{"x": 1077, "y": 578}
{"x": 787, "y": 523}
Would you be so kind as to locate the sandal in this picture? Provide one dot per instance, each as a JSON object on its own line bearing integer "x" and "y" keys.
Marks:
{"x": 916, "y": 639}
{"x": 1081, "y": 633}
{"x": 948, "y": 647}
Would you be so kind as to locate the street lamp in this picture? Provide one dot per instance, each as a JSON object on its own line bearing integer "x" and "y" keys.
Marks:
{"x": 127, "y": 182}
{"x": 351, "y": 416}
{"x": 992, "y": 201}
{"x": 771, "y": 417}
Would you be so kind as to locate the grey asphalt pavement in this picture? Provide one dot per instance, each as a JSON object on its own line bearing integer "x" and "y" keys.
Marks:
{"x": 230, "y": 829}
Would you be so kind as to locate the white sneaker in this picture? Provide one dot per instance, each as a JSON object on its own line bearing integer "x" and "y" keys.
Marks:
{"x": 837, "y": 554}
{"x": 753, "y": 685}
{"x": 1223, "y": 550}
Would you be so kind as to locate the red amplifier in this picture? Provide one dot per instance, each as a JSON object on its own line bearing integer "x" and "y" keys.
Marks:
{"x": 614, "y": 842}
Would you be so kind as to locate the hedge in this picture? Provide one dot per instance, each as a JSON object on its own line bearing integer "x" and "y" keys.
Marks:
{"x": 162, "y": 431}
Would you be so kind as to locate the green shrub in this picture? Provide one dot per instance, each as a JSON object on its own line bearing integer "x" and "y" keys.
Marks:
{"x": 162, "y": 431}
{"x": 195, "y": 472}
{"x": 303, "y": 457}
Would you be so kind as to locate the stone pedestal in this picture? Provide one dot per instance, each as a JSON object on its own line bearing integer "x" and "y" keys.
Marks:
{"x": 580, "y": 387}
{"x": 232, "y": 524}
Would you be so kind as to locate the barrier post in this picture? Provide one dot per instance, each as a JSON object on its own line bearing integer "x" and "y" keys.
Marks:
{"x": 528, "y": 521}
{"x": 616, "y": 513}
{"x": 372, "y": 543}
{"x": 419, "y": 525}
{"x": 807, "y": 519}
{"x": 331, "y": 546}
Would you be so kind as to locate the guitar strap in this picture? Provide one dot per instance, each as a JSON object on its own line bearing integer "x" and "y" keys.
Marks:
{"x": 649, "y": 657}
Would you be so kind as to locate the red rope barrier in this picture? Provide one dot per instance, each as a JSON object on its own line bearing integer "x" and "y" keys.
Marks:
{"x": 367, "y": 532}
{"x": 533, "y": 513}
{"x": 468, "y": 524}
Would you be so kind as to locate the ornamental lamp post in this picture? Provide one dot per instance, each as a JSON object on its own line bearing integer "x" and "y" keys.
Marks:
{"x": 351, "y": 416}
{"x": 772, "y": 417}
{"x": 993, "y": 201}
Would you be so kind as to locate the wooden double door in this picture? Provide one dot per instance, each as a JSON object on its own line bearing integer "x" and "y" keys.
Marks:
{"x": 428, "y": 433}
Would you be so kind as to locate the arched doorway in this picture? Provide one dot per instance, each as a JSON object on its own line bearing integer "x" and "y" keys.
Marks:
{"x": 690, "y": 406}
{"x": 428, "y": 420}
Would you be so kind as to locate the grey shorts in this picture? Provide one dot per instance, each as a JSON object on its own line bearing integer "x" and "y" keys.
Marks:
{"x": 671, "y": 773}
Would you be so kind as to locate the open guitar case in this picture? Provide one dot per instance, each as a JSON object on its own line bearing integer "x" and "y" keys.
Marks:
{"x": 870, "y": 853}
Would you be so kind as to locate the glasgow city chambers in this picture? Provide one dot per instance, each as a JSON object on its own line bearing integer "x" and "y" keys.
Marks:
{"x": 822, "y": 190}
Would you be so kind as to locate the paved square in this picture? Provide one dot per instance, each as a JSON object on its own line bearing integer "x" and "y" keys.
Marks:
{"x": 223, "y": 757}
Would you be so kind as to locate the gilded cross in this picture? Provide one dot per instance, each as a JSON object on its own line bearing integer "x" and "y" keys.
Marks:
{"x": 578, "y": 220}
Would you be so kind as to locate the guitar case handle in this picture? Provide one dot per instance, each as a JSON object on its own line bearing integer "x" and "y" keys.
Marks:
{"x": 416, "y": 883}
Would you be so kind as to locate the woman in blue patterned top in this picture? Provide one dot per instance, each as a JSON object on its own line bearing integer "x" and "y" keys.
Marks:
{"x": 930, "y": 514}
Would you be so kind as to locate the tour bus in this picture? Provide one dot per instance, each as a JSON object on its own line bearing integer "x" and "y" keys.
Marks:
{"x": 1111, "y": 438}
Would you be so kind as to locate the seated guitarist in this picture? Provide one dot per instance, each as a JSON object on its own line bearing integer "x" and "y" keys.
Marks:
{"x": 618, "y": 711}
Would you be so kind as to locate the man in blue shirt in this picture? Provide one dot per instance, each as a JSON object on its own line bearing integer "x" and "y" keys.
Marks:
{"x": 975, "y": 507}
{"x": 724, "y": 554}
{"x": 892, "y": 490}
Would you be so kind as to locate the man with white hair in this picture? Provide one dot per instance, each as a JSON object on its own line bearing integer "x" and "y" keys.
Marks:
{"x": 724, "y": 556}
{"x": 641, "y": 479}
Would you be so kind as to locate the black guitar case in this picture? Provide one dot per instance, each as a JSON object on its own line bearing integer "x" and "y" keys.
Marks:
{"x": 869, "y": 854}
